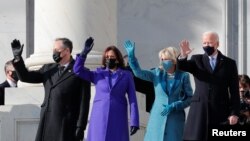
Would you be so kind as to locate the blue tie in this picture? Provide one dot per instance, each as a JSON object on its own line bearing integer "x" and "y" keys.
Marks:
{"x": 212, "y": 62}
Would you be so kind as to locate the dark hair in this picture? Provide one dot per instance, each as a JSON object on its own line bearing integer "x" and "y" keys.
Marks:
{"x": 244, "y": 80}
{"x": 66, "y": 42}
{"x": 118, "y": 55}
{"x": 7, "y": 64}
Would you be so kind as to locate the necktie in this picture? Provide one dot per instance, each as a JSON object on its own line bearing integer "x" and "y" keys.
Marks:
{"x": 60, "y": 70}
{"x": 212, "y": 62}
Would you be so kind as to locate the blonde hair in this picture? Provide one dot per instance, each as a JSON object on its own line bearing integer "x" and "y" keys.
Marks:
{"x": 170, "y": 53}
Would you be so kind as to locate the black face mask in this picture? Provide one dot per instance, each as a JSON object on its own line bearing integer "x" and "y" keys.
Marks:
{"x": 14, "y": 76}
{"x": 56, "y": 56}
{"x": 209, "y": 50}
{"x": 111, "y": 63}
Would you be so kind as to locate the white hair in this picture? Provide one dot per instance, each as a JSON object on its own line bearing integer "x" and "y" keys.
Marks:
{"x": 212, "y": 33}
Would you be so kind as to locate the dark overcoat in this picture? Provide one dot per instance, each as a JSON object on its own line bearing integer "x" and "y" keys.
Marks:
{"x": 3, "y": 85}
{"x": 66, "y": 102}
{"x": 216, "y": 95}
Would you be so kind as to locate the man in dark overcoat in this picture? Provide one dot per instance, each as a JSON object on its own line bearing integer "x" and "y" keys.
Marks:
{"x": 64, "y": 111}
{"x": 11, "y": 80}
{"x": 216, "y": 99}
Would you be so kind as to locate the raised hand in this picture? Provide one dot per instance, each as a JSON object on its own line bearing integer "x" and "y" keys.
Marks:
{"x": 17, "y": 48}
{"x": 130, "y": 48}
{"x": 185, "y": 49}
{"x": 133, "y": 130}
{"x": 89, "y": 43}
{"x": 167, "y": 109}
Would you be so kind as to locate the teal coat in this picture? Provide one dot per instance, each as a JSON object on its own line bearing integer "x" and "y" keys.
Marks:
{"x": 170, "y": 127}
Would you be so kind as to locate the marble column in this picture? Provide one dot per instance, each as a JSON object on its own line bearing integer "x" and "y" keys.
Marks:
{"x": 76, "y": 20}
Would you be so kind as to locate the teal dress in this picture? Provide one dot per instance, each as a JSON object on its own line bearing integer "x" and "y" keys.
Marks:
{"x": 176, "y": 90}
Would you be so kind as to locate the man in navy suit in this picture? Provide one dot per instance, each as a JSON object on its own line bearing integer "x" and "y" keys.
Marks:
{"x": 216, "y": 99}
{"x": 11, "y": 80}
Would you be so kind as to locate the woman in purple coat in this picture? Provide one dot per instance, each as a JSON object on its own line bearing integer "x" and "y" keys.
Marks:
{"x": 109, "y": 117}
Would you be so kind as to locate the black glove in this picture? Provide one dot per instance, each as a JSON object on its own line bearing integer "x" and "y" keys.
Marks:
{"x": 17, "y": 48}
{"x": 89, "y": 43}
{"x": 133, "y": 130}
{"x": 79, "y": 134}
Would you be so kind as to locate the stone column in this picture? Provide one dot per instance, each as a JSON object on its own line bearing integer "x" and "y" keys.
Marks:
{"x": 76, "y": 20}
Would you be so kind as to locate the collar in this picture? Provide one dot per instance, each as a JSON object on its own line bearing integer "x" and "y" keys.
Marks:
{"x": 215, "y": 56}
{"x": 12, "y": 84}
{"x": 113, "y": 72}
{"x": 66, "y": 65}
{"x": 171, "y": 75}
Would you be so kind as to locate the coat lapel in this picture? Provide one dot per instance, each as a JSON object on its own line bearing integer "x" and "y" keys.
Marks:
{"x": 176, "y": 82}
{"x": 163, "y": 81}
{"x": 120, "y": 74}
{"x": 205, "y": 60}
{"x": 66, "y": 73}
{"x": 105, "y": 75}
{"x": 219, "y": 61}
{"x": 53, "y": 74}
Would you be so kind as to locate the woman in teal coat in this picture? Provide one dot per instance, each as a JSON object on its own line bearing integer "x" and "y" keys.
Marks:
{"x": 173, "y": 93}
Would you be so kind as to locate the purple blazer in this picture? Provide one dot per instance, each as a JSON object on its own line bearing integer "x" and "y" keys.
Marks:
{"x": 109, "y": 116}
